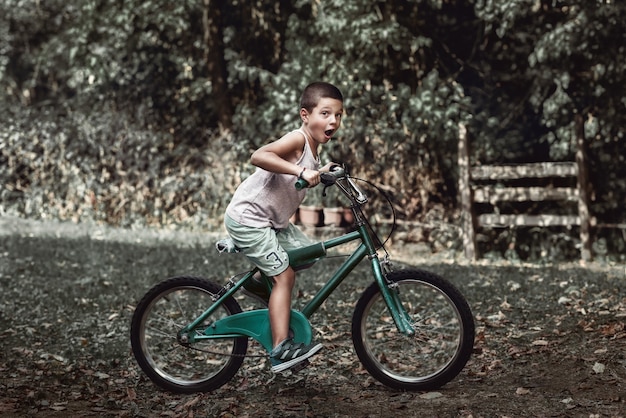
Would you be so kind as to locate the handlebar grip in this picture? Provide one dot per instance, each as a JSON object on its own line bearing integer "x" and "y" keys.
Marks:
{"x": 301, "y": 184}
{"x": 327, "y": 178}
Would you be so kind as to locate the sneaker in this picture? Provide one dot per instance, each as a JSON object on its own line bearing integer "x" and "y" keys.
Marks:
{"x": 255, "y": 288}
{"x": 288, "y": 353}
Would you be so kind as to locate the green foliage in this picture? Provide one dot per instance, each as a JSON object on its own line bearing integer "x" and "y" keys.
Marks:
{"x": 147, "y": 58}
{"x": 104, "y": 168}
{"x": 192, "y": 87}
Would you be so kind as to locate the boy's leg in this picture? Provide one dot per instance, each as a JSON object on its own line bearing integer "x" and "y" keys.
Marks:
{"x": 287, "y": 353}
{"x": 280, "y": 305}
{"x": 263, "y": 248}
{"x": 292, "y": 238}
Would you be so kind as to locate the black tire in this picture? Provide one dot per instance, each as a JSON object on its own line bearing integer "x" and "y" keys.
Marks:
{"x": 443, "y": 340}
{"x": 171, "y": 364}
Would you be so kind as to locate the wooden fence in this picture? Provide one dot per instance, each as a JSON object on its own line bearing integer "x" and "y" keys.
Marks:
{"x": 487, "y": 184}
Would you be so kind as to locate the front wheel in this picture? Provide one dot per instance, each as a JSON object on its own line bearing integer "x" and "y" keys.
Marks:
{"x": 166, "y": 359}
{"x": 443, "y": 339}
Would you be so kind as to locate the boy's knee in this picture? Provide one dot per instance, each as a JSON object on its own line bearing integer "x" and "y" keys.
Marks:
{"x": 287, "y": 277}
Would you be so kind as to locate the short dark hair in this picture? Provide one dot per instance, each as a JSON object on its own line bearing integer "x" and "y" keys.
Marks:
{"x": 316, "y": 91}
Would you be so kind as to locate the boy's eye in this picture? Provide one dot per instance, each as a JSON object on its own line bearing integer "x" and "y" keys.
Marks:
{"x": 327, "y": 113}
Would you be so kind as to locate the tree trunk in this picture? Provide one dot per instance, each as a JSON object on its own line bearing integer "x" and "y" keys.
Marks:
{"x": 214, "y": 60}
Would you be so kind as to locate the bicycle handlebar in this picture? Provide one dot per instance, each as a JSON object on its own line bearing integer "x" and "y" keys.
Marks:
{"x": 349, "y": 188}
{"x": 327, "y": 178}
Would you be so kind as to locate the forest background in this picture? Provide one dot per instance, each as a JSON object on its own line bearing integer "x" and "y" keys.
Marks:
{"x": 144, "y": 112}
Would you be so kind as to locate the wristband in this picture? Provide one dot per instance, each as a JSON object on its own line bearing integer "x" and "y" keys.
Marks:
{"x": 301, "y": 173}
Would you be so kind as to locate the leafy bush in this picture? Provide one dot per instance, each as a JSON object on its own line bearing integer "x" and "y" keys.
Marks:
{"x": 105, "y": 168}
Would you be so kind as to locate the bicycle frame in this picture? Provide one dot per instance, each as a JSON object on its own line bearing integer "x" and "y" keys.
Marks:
{"x": 255, "y": 323}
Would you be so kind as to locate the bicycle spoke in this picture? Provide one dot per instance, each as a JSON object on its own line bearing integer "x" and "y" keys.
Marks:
{"x": 437, "y": 350}
{"x": 186, "y": 368}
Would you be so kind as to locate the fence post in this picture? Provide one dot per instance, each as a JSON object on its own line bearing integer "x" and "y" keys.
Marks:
{"x": 583, "y": 188}
{"x": 468, "y": 218}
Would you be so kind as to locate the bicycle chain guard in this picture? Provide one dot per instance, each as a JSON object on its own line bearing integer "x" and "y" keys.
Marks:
{"x": 256, "y": 324}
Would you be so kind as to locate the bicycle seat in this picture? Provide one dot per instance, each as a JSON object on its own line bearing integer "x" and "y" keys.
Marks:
{"x": 226, "y": 245}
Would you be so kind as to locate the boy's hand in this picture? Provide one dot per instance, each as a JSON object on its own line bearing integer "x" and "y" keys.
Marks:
{"x": 312, "y": 177}
{"x": 328, "y": 166}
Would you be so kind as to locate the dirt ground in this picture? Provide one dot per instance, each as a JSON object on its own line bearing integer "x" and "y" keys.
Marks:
{"x": 550, "y": 339}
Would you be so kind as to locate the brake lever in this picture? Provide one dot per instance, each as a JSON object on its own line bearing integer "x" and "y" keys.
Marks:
{"x": 327, "y": 180}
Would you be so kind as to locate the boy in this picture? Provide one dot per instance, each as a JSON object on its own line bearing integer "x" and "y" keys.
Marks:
{"x": 257, "y": 218}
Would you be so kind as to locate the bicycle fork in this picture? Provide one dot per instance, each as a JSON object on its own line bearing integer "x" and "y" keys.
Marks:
{"x": 391, "y": 296}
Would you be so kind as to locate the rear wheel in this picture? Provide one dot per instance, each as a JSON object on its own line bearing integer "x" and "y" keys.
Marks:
{"x": 169, "y": 362}
{"x": 443, "y": 339}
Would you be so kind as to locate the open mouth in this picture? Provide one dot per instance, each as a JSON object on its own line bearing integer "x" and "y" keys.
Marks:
{"x": 329, "y": 133}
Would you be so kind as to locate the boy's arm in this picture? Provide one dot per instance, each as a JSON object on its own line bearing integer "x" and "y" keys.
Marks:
{"x": 280, "y": 157}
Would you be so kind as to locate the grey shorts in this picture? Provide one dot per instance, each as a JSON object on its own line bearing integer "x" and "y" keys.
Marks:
{"x": 266, "y": 248}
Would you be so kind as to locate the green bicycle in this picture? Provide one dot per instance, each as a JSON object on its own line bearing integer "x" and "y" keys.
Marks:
{"x": 411, "y": 329}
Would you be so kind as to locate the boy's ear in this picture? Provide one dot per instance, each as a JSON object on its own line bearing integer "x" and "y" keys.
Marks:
{"x": 304, "y": 114}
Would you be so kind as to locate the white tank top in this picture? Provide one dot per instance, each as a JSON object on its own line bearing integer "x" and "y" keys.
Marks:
{"x": 267, "y": 199}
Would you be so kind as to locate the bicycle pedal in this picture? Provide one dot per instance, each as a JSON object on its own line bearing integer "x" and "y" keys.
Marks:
{"x": 300, "y": 366}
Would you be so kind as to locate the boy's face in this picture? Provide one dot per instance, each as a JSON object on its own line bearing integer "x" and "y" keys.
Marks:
{"x": 324, "y": 120}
